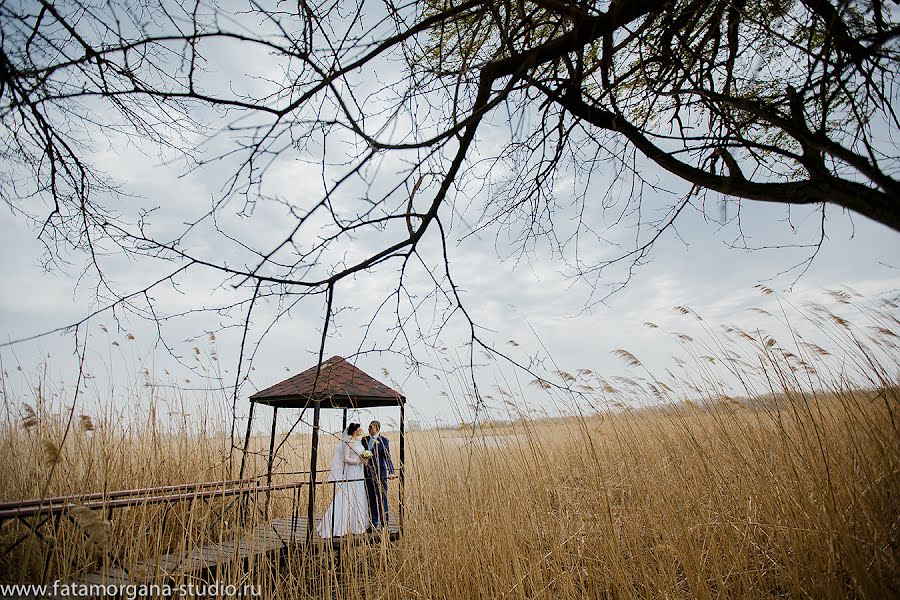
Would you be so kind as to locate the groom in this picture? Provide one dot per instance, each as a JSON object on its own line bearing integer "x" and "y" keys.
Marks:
{"x": 379, "y": 469}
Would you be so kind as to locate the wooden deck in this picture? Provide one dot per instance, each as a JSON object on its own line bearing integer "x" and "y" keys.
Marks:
{"x": 259, "y": 542}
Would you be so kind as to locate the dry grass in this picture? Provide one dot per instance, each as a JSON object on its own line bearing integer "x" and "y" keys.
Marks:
{"x": 790, "y": 491}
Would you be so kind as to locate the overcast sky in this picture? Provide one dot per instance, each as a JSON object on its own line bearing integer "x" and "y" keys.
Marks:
{"x": 532, "y": 303}
{"x": 532, "y": 300}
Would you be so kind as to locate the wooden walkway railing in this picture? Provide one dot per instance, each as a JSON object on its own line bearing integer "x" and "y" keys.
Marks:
{"x": 18, "y": 504}
{"x": 263, "y": 539}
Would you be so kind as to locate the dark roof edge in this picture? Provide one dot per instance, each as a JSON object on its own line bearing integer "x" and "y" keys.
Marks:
{"x": 325, "y": 398}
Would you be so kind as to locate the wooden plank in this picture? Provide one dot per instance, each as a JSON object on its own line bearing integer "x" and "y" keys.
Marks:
{"x": 265, "y": 541}
{"x": 269, "y": 544}
{"x": 286, "y": 525}
{"x": 298, "y": 539}
{"x": 200, "y": 559}
{"x": 221, "y": 551}
{"x": 189, "y": 565}
{"x": 239, "y": 548}
{"x": 253, "y": 542}
{"x": 285, "y": 531}
{"x": 164, "y": 563}
{"x": 299, "y": 523}
{"x": 265, "y": 533}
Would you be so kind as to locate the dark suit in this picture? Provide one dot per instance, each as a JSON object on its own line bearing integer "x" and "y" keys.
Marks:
{"x": 377, "y": 470}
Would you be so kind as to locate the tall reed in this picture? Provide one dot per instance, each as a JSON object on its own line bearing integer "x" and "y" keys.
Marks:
{"x": 765, "y": 464}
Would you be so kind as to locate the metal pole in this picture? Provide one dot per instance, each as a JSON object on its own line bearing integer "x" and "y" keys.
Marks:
{"x": 271, "y": 459}
{"x": 344, "y": 428}
{"x": 402, "y": 470}
{"x": 313, "y": 456}
{"x": 246, "y": 439}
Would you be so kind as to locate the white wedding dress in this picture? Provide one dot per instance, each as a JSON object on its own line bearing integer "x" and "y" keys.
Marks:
{"x": 349, "y": 510}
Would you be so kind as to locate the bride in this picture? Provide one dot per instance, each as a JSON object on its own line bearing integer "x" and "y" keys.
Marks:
{"x": 349, "y": 511}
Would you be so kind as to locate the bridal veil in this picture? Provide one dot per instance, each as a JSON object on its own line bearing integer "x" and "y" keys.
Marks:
{"x": 338, "y": 472}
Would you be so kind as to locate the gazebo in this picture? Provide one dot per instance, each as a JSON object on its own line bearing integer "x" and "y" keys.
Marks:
{"x": 333, "y": 384}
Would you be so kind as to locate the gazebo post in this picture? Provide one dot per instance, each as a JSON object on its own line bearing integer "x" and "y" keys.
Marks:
{"x": 271, "y": 458}
{"x": 344, "y": 428}
{"x": 402, "y": 456}
{"x": 313, "y": 459}
{"x": 246, "y": 439}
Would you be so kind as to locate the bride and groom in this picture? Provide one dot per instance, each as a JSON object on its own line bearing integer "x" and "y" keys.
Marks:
{"x": 360, "y": 468}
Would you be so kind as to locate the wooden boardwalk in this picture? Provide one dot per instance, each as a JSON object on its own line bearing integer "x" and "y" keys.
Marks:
{"x": 261, "y": 541}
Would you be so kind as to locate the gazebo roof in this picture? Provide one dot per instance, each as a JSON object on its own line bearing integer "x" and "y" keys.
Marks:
{"x": 340, "y": 385}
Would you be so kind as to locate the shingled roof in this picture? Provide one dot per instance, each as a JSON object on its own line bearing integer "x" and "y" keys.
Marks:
{"x": 340, "y": 385}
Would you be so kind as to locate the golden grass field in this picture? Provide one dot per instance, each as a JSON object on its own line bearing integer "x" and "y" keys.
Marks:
{"x": 791, "y": 490}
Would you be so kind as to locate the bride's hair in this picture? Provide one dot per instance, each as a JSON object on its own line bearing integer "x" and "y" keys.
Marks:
{"x": 351, "y": 428}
